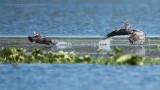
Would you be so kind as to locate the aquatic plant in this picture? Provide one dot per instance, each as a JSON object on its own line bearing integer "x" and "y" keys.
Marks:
{"x": 12, "y": 55}
{"x": 19, "y": 55}
{"x": 118, "y": 59}
{"x": 158, "y": 46}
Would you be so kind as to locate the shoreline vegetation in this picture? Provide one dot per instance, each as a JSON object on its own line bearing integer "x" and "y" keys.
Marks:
{"x": 20, "y": 55}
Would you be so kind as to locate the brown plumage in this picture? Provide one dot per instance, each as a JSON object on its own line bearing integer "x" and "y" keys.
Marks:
{"x": 135, "y": 34}
{"x": 40, "y": 39}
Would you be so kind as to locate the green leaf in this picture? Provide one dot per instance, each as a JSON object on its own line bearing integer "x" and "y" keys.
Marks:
{"x": 117, "y": 50}
{"x": 124, "y": 58}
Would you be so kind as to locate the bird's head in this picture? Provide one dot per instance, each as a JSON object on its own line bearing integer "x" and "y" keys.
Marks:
{"x": 37, "y": 34}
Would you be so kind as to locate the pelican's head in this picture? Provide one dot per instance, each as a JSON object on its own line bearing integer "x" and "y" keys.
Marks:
{"x": 37, "y": 34}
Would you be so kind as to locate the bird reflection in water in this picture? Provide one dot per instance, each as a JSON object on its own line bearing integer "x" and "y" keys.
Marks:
{"x": 137, "y": 49}
{"x": 126, "y": 49}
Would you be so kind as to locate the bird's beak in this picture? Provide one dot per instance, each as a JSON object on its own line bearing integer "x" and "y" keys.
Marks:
{"x": 34, "y": 32}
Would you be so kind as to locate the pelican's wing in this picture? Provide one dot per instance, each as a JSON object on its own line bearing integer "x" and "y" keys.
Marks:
{"x": 137, "y": 35}
{"x": 140, "y": 35}
{"x": 117, "y": 33}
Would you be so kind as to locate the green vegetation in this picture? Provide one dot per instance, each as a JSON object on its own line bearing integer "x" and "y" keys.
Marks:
{"x": 19, "y": 55}
{"x": 158, "y": 46}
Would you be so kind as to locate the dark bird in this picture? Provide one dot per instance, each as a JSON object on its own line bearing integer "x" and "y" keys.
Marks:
{"x": 136, "y": 35}
{"x": 40, "y": 39}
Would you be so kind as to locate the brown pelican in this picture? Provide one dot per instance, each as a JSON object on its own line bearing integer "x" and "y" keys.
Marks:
{"x": 40, "y": 39}
{"x": 136, "y": 35}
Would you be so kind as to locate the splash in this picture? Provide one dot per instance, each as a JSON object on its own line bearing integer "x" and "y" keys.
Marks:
{"x": 62, "y": 43}
{"x": 104, "y": 45}
{"x": 105, "y": 42}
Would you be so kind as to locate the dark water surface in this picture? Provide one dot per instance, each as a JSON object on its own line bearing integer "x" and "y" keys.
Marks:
{"x": 77, "y": 17}
{"x": 79, "y": 77}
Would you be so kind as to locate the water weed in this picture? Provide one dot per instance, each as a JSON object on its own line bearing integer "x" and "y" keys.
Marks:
{"x": 19, "y": 55}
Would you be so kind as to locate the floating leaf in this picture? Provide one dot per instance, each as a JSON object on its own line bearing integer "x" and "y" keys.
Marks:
{"x": 124, "y": 58}
{"x": 158, "y": 46}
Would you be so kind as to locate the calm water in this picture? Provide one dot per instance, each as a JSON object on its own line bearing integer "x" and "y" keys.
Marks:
{"x": 77, "y": 17}
{"x": 79, "y": 77}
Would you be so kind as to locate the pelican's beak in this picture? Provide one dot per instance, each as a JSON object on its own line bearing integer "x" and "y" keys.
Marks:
{"x": 34, "y": 32}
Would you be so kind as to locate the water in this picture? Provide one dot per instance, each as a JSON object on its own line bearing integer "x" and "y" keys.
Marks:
{"x": 79, "y": 77}
{"x": 77, "y": 17}
{"x": 88, "y": 45}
